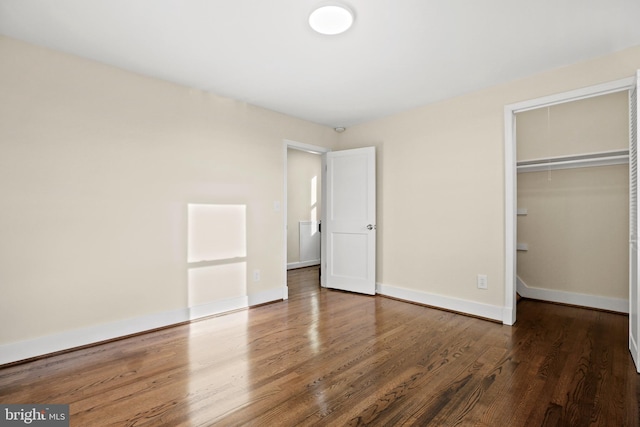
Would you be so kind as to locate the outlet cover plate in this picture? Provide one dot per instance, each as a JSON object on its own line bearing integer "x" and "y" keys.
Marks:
{"x": 483, "y": 282}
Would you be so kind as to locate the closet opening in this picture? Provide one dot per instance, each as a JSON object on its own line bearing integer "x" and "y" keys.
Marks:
{"x": 626, "y": 86}
{"x": 573, "y": 203}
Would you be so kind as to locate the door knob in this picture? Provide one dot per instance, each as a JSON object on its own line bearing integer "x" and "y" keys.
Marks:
{"x": 371, "y": 227}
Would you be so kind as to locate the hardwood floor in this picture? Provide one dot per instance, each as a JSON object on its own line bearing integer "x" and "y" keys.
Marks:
{"x": 332, "y": 358}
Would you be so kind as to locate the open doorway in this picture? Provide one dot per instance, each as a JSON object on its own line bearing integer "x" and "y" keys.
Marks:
{"x": 303, "y": 246}
{"x": 573, "y": 200}
{"x": 304, "y": 204}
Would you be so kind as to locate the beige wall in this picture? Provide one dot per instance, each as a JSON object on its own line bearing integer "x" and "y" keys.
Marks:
{"x": 441, "y": 182}
{"x": 98, "y": 165}
{"x": 303, "y": 196}
{"x": 577, "y": 224}
{"x": 576, "y": 229}
{"x": 97, "y": 168}
{"x": 587, "y": 126}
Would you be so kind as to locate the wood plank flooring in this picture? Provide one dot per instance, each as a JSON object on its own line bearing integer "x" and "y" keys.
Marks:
{"x": 332, "y": 358}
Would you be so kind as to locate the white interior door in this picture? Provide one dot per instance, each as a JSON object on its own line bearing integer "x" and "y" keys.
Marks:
{"x": 634, "y": 295}
{"x": 350, "y": 221}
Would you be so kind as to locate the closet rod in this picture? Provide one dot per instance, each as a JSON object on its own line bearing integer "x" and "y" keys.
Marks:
{"x": 605, "y": 158}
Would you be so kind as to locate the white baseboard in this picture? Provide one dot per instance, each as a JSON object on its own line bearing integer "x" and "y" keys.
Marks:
{"x": 264, "y": 297}
{"x": 300, "y": 264}
{"x": 217, "y": 307}
{"x": 633, "y": 347}
{"x": 473, "y": 308}
{"x": 592, "y": 301}
{"x": 21, "y": 350}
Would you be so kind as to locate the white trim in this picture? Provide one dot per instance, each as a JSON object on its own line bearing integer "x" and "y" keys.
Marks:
{"x": 21, "y": 350}
{"x": 217, "y": 307}
{"x": 510, "y": 186}
{"x": 473, "y": 308}
{"x": 301, "y": 264}
{"x": 264, "y": 297}
{"x": 573, "y": 95}
{"x": 314, "y": 149}
{"x": 633, "y": 347}
{"x": 619, "y": 305}
{"x": 323, "y": 219}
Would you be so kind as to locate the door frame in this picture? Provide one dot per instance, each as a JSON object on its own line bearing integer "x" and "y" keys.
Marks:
{"x": 510, "y": 168}
{"x": 313, "y": 149}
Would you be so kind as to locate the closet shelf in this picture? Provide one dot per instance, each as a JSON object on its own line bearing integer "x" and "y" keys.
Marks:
{"x": 605, "y": 158}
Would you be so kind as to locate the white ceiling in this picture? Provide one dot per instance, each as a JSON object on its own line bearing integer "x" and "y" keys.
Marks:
{"x": 398, "y": 55}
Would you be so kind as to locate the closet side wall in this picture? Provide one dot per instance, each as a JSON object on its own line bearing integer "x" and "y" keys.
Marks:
{"x": 576, "y": 227}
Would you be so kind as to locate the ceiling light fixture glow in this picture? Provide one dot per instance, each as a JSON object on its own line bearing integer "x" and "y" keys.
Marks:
{"x": 331, "y": 20}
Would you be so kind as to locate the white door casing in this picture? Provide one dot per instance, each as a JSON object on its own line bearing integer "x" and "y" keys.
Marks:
{"x": 349, "y": 227}
{"x": 634, "y": 295}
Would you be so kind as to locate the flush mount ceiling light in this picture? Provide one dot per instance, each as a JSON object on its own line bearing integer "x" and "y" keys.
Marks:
{"x": 331, "y": 20}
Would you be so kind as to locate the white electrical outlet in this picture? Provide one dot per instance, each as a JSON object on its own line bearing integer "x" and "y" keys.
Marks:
{"x": 483, "y": 282}
{"x": 256, "y": 275}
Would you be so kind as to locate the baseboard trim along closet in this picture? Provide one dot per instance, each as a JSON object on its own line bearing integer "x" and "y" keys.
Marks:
{"x": 472, "y": 308}
{"x": 301, "y": 264}
{"x": 67, "y": 340}
{"x": 584, "y": 300}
